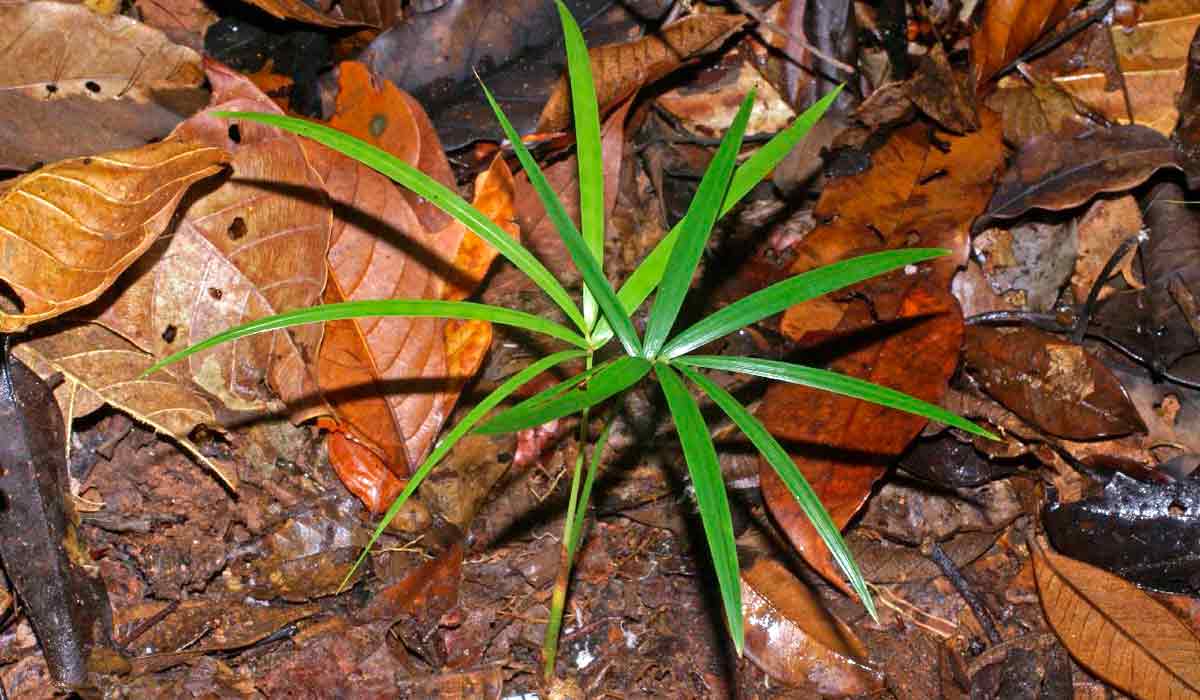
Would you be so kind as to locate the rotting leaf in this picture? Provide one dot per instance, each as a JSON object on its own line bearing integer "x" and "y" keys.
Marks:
{"x": 1007, "y": 28}
{"x": 792, "y": 637}
{"x": 108, "y": 83}
{"x": 843, "y": 446}
{"x": 1115, "y": 630}
{"x": 68, "y": 230}
{"x": 621, "y": 69}
{"x": 249, "y": 247}
{"x": 1055, "y": 385}
{"x": 101, "y": 367}
{"x": 63, "y": 597}
{"x": 1050, "y": 172}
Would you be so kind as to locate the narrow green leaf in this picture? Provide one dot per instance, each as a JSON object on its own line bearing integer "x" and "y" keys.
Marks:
{"x": 587, "y": 146}
{"x": 609, "y": 379}
{"x": 835, "y": 383}
{"x": 456, "y": 433}
{"x": 649, "y": 272}
{"x": 802, "y": 287}
{"x": 581, "y": 513}
{"x": 438, "y": 194}
{"x": 694, "y": 233}
{"x": 705, "y": 471}
{"x": 417, "y": 308}
{"x": 783, "y": 465}
{"x": 585, "y": 262}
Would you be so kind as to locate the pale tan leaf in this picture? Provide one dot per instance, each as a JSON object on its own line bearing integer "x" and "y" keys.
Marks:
{"x": 106, "y": 369}
{"x": 67, "y": 231}
{"x": 1114, "y": 629}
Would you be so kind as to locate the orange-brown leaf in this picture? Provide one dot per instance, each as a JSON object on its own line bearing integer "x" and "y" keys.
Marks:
{"x": 300, "y": 11}
{"x": 1008, "y": 28}
{"x": 1114, "y": 629}
{"x": 362, "y": 471}
{"x": 68, "y": 230}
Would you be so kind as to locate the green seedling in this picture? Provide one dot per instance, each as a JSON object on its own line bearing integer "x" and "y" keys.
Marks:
{"x": 658, "y": 355}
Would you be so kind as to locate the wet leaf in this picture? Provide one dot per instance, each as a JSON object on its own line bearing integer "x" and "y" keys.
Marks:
{"x": 1007, "y": 28}
{"x": 621, "y": 69}
{"x": 108, "y": 83}
{"x": 1055, "y": 385}
{"x": 1118, "y": 632}
{"x": 67, "y": 231}
{"x": 211, "y": 624}
{"x": 247, "y": 247}
{"x": 843, "y": 445}
{"x": 360, "y": 468}
{"x": 883, "y": 561}
{"x": 795, "y": 639}
{"x": 100, "y": 367}
{"x": 1050, "y": 172}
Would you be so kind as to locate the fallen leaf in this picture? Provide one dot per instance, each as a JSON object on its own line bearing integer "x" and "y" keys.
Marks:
{"x": 1187, "y": 130}
{"x": 251, "y": 246}
{"x": 300, "y": 11}
{"x": 843, "y": 446}
{"x": 1007, "y": 28}
{"x": 1053, "y": 173}
{"x": 1030, "y": 262}
{"x": 706, "y": 108}
{"x": 938, "y": 91}
{"x": 621, "y": 70}
{"x": 108, "y": 83}
{"x": 212, "y": 624}
{"x": 1057, "y": 386}
{"x": 68, "y": 230}
{"x": 1101, "y": 230}
{"x": 100, "y": 367}
{"x": 883, "y": 561}
{"x": 1118, "y": 632}
{"x": 793, "y": 638}
{"x": 183, "y": 21}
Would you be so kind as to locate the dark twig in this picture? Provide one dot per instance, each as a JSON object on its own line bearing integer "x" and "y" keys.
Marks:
{"x": 146, "y": 624}
{"x": 1089, "y": 307}
{"x": 1051, "y": 42}
{"x": 935, "y": 552}
{"x": 748, "y": 9}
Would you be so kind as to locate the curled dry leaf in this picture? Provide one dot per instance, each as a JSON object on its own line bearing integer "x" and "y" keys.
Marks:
{"x": 251, "y": 246}
{"x": 1057, "y": 386}
{"x": 1050, "y": 172}
{"x": 1009, "y": 27}
{"x": 74, "y": 82}
{"x": 100, "y": 367}
{"x": 1118, "y": 632}
{"x": 621, "y": 69}
{"x": 793, "y": 638}
{"x": 68, "y": 230}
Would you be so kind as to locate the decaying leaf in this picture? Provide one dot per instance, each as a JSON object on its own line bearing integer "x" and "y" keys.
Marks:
{"x": 74, "y": 83}
{"x": 1050, "y": 172}
{"x": 1118, "y": 632}
{"x": 621, "y": 69}
{"x": 1054, "y": 384}
{"x": 250, "y": 246}
{"x": 101, "y": 367}
{"x": 68, "y": 230}
{"x": 300, "y": 11}
{"x": 210, "y": 624}
{"x": 795, "y": 639}
{"x": 1007, "y": 28}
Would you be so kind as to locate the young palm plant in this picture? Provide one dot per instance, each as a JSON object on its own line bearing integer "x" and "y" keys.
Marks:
{"x": 605, "y": 314}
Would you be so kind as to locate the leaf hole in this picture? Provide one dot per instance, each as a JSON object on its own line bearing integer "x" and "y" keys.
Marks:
{"x": 1177, "y": 509}
{"x": 169, "y": 333}
{"x": 377, "y": 125}
{"x": 237, "y": 228}
{"x": 87, "y": 161}
{"x": 235, "y": 133}
{"x": 51, "y": 89}
{"x": 92, "y": 86}
{"x": 215, "y": 293}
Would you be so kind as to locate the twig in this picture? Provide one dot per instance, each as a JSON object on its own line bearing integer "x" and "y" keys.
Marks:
{"x": 1081, "y": 321}
{"x": 146, "y": 624}
{"x": 761, "y": 19}
{"x": 935, "y": 552}
{"x": 1053, "y": 42}
{"x": 1187, "y": 304}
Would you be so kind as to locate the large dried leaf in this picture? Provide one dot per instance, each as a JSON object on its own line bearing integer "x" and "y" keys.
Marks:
{"x": 1118, "y": 632}
{"x": 1007, "y": 28}
{"x": 67, "y": 231}
{"x": 1054, "y": 384}
{"x": 795, "y": 639}
{"x": 251, "y": 246}
{"x": 1051, "y": 172}
{"x": 99, "y": 367}
{"x": 841, "y": 445}
{"x": 621, "y": 69}
{"x": 74, "y": 82}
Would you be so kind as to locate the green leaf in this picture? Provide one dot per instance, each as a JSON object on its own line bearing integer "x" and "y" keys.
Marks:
{"x": 650, "y": 271}
{"x": 694, "y": 233}
{"x": 419, "y": 308}
{"x": 802, "y": 287}
{"x": 587, "y": 146}
{"x": 834, "y": 383}
{"x": 585, "y": 262}
{"x": 705, "y": 471}
{"x": 783, "y": 465}
{"x": 438, "y": 194}
{"x": 609, "y": 379}
{"x": 456, "y": 433}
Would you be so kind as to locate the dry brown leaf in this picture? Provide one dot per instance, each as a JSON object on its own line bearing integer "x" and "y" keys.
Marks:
{"x": 101, "y": 368}
{"x": 300, "y": 11}
{"x": 621, "y": 69}
{"x": 183, "y": 21}
{"x": 792, "y": 637}
{"x": 1100, "y": 231}
{"x": 74, "y": 83}
{"x": 1118, "y": 632}
{"x": 1007, "y": 28}
{"x": 251, "y": 246}
{"x": 67, "y": 231}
